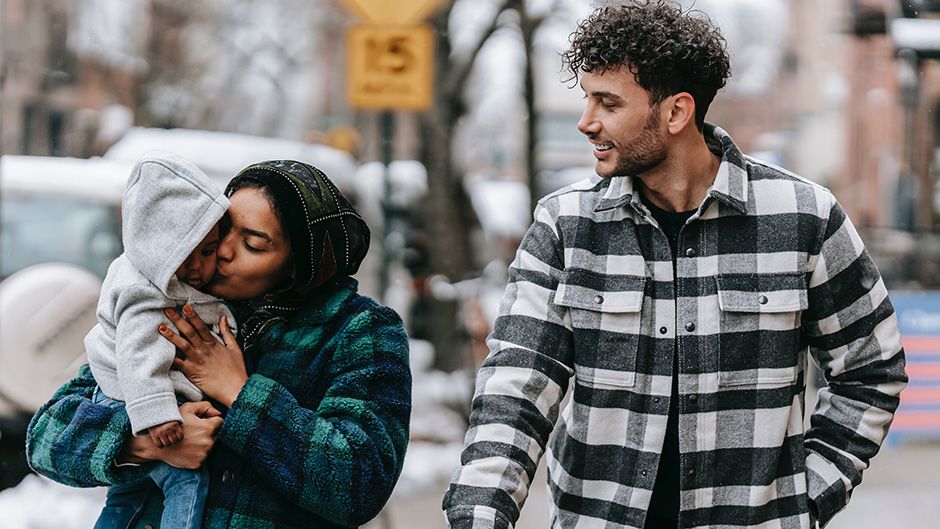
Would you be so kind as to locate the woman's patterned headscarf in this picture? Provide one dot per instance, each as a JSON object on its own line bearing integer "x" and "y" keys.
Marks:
{"x": 328, "y": 238}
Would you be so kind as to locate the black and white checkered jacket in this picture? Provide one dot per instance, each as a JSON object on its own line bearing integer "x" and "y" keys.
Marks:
{"x": 769, "y": 267}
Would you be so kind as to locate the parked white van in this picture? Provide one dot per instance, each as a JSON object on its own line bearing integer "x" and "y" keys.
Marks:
{"x": 222, "y": 154}
{"x": 60, "y": 210}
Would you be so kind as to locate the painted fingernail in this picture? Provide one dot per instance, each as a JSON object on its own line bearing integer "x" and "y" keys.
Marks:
{"x": 162, "y": 328}
{"x": 168, "y": 312}
{"x": 187, "y": 310}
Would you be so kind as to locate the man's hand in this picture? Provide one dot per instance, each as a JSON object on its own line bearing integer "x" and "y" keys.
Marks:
{"x": 166, "y": 434}
{"x": 201, "y": 422}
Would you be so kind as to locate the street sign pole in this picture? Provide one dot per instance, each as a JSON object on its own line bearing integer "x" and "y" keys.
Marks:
{"x": 387, "y": 126}
{"x": 389, "y": 67}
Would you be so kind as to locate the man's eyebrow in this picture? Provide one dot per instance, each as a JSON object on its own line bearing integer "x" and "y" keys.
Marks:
{"x": 607, "y": 95}
{"x": 256, "y": 233}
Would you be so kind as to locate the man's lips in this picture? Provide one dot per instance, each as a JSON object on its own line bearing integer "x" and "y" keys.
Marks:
{"x": 601, "y": 147}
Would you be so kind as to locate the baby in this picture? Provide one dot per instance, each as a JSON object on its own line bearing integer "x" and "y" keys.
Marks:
{"x": 196, "y": 271}
{"x": 170, "y": 231}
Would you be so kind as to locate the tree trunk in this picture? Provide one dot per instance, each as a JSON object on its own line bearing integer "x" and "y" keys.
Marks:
{"x": 450, "y": 241}
{"x": 528, "y": 26}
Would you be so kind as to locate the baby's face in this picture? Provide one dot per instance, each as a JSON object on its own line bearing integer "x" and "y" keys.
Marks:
{"x": 199, "y": 267}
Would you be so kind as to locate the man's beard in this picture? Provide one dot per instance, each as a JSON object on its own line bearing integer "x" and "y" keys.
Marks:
{"x": 643, "y": 153}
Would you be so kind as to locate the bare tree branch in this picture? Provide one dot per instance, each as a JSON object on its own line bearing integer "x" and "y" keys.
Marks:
{"x": 460, "y": 72}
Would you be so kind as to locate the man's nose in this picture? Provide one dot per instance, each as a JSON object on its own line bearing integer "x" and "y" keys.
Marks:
{"x": 587, "y": 124}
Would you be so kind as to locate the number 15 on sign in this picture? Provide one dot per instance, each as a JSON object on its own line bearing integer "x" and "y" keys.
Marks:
{"x": 390, "y": 67}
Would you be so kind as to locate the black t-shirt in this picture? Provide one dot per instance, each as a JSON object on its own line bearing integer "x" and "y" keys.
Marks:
{"x": 664, "y": 504}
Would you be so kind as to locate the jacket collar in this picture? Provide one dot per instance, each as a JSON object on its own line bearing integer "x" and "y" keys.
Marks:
{"x": 730, "y": 185}
{"x": 329, "y": 299}
{"x": 257, "y": 317}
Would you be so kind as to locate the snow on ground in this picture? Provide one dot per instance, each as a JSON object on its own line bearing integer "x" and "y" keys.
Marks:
{"x": 40, "y": 503}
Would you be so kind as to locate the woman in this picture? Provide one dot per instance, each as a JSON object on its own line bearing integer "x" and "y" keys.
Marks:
{"x": 316, "y": 391}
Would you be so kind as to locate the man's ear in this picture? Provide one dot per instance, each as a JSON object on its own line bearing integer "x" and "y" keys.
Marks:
{"x": 680, "y": 112}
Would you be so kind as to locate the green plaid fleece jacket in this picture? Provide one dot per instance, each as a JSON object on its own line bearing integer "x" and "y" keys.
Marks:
{"x": 316, "y": 438}
{"x": 768, "y": 268}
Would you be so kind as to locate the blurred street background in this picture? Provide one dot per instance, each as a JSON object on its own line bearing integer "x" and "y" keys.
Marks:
{"x": 443, "y": 121}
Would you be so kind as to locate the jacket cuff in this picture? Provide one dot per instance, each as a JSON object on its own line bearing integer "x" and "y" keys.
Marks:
{"x": 826, "y": 489}
{"x": 829, "y": 502}
{"x": 153, "y": 410}
{"x": 476, "y": 517}
{"x": 247, "y": 411}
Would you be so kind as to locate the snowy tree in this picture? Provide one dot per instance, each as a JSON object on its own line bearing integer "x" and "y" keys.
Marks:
{"x": 243, "y": 66}
{"x": 252, "y": 66}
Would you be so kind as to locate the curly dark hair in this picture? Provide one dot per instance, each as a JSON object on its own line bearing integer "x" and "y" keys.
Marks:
{"x": 669, "y": 50}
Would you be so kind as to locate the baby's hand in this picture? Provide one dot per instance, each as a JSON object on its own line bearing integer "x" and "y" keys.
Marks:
{"x": 164, "y": 435}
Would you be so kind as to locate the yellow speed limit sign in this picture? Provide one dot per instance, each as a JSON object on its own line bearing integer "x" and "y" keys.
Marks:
{"x": 390, "y": 67}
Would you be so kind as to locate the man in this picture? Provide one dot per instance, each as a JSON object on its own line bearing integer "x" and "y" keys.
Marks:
{"x": 681, "y": 289}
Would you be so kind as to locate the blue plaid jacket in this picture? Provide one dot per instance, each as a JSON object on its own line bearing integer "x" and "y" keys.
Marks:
{"x": 316, "y": 438}
{"x": 769, "y": 269}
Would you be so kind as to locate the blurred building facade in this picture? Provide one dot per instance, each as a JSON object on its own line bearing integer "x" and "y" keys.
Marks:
{"x": 39, "y": 81}
{"x": 855, "y": 111}
{"x": 77, "y": 73}
{"x": 890, "y": 182}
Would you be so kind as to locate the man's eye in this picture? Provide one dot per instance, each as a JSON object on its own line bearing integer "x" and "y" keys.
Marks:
{"x": 250, "y": 248}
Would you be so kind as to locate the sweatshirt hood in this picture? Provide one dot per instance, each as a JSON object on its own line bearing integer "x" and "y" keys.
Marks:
{"x": 169, "y": 206}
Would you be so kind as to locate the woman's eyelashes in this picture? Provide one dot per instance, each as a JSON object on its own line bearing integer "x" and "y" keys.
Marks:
{"x": 251, "y": 248}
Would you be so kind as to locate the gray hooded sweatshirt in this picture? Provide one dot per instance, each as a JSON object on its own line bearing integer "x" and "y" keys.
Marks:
{"x": 169, "y": 206}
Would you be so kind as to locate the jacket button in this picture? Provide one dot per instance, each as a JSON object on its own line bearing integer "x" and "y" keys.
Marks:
{"x": 691, "y": 472}
{"x": 693, "y": 398}
{"x": 762, "y": 299}
{"x": 598, "y": 299}
{"x": 663, "y": 330}
{"x": 690, "y": 326}
{"x": 644, "y": 473}
{"x": 227, "y": 476}
{"x": 690, "y": 252}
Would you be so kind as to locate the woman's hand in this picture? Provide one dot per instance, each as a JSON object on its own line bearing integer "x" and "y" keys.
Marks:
{"x": 200, "y": 423}
{"x": 217, "y": 368}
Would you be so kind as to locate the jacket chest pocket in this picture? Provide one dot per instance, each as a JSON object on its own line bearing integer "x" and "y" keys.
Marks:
{"x": 760, "y": 328}
{"x": 606, "y": 313}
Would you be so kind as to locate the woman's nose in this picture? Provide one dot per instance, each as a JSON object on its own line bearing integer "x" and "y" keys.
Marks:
{"x": 225, "y": 252}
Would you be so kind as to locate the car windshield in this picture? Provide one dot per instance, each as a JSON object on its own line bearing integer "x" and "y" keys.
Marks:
{"x": 40, "y": 228}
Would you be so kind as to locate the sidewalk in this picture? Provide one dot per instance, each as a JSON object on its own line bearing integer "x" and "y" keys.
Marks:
{"x": 901, "y": 489}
